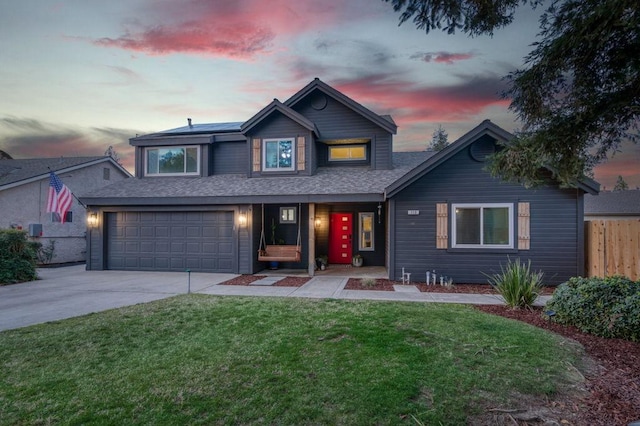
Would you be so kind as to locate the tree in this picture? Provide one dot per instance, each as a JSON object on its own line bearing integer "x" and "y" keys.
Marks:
{"x": 439, "y": 139}
{"x": 111, "y": 152}
{"x": 621, "y": 185}
{"x": 578, "y": 95}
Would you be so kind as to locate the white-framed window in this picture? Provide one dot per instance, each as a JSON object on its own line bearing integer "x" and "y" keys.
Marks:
{"x": 347, "y": 153}
{"x": 366, "y": 227}
{"x": 278, "y": 154}
{"x": 288, "y": 215}
{"x": 172, "y": 161}
{"x": 486, "y": 225}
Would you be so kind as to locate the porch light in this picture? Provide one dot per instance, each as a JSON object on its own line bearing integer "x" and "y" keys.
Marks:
{"x": 242, "y": 219}
{"x": 92, "y": 219}
{"x": 317, "y": 222}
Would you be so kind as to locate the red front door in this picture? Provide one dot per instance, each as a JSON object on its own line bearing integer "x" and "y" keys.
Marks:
{"x": 340, "y": 232}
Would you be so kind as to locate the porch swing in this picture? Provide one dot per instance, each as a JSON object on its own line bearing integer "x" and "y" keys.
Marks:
{"x": 279, "y": 253}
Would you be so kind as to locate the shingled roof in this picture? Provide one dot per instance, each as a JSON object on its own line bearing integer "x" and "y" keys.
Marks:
{"x": 22, "y": 171}
{"x": 613, "y": 203}
{"x": 328, "y": 184}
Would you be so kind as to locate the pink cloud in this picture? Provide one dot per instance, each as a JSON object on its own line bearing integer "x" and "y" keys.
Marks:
{"x": 442, "y": 57}
{"x": 237, "y": 30}
{"x": 410, "y": 103}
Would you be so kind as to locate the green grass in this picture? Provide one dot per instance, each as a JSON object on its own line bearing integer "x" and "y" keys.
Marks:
{"x": 210, "y": 360}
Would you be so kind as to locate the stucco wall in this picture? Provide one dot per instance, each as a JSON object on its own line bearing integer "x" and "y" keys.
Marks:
{"x": 26, "y": 204}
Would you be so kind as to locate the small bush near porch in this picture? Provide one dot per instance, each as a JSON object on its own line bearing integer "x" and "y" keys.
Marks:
{"x": 199, "y": 359}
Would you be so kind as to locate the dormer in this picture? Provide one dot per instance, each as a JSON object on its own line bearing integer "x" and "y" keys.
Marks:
{"x": 281, "y": 141}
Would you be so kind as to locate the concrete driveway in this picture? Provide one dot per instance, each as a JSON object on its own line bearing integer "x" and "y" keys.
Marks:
{"x": 72, "y": 291}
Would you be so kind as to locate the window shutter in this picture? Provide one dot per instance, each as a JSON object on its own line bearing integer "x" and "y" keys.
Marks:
{"x": 300, "y": 152}
{"x": 524, "y": 238}
{"x": 442, "y": 225}
{"x": 256, "y": 155}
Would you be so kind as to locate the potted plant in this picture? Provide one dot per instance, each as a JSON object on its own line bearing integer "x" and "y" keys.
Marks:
{"x": 356, "y": 260}
{"x": 322, "y": 261}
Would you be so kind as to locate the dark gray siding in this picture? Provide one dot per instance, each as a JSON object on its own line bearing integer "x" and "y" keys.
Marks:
{"x": 229, "y": 157}
{"x": 554, "y": 229}
{"x": 279, "y": 126}
{"x": 336, "y": 121}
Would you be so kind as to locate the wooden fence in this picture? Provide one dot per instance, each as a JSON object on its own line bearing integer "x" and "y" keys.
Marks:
{"x": 612, "y": 247}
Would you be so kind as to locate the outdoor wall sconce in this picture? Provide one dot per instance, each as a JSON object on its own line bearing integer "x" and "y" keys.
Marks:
{"x": 317, "y": 222}
{"x": 242, "y": 220}
{"x": 92, "y": 219}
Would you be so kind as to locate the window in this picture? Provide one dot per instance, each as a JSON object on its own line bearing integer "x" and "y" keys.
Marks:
{"x": 348, "y": 153}
{"x": 68, "y": 217}
{"x": 483, "y": 225}
{"x": 278, "y": 154}
{"x": 180, "y": 160}
{"x": 106, "y": 174}
{"x": 365, "y": 221}
{"x": 288, "y": 215}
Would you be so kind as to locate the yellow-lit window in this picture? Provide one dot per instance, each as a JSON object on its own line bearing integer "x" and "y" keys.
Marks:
{"x": 347, "y": 153}
{"x": 366, "y": 231}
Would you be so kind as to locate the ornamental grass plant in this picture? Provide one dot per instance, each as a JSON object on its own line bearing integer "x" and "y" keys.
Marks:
{"x": 517, "y": 284}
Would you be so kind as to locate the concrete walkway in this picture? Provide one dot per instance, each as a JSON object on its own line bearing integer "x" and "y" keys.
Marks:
{"x": 72, "y": 291}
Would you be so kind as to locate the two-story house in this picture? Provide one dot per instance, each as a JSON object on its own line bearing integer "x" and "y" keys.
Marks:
{"x": 316, "y": 175}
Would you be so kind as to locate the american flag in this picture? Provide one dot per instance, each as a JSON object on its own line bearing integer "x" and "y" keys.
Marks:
{"x": 60, "y": 198}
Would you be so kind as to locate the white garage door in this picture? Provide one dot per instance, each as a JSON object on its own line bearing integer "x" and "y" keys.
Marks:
{"x": 171, "y": 241}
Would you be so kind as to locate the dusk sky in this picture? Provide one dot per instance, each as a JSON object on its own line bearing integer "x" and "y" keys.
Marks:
{"x": 78, "y": 76}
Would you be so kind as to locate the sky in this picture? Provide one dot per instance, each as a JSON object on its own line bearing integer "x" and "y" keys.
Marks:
{"x": 78, "y": 76}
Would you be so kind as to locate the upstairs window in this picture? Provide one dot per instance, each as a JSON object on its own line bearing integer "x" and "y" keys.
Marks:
{"x": 348, "y": 153}
{"x": 175, "y": 160}
{"x": 278, "y": 155}
{"x": 483, "y": 225}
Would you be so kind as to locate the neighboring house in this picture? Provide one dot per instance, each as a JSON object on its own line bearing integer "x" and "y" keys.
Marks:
{"x": 612, "y": 205}
{"x": 24, "y": 186}
{"x": 319, "y": 171}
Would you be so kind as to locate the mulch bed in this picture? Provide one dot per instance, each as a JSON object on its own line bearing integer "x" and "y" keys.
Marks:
{"x": 285, "y": 282}
{"x": 382, "y": 284}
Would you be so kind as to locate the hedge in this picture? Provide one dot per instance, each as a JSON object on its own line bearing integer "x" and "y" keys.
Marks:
{"x": 18, "y": 257}
{"x": 607, "y": 307}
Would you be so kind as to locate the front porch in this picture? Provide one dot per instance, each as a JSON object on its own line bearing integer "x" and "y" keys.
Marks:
{"x": 297, "y": 236}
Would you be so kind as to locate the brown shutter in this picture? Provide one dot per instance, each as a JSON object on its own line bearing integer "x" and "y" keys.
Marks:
{"x": 300, "y": 153}
{"x": 524, "y": 238}
{"x": 256, "y": 155}
{"x": 442, "y": 225}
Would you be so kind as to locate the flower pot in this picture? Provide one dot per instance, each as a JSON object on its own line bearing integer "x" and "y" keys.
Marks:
{"x": 356, "y": 261}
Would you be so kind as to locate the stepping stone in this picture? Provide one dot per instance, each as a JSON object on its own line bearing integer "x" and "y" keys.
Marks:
{"x": 406, "y": 289}
{"x": 267, "y": 281}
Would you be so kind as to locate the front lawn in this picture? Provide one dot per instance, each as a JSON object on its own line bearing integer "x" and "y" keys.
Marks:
{"x": 198, "y": 359}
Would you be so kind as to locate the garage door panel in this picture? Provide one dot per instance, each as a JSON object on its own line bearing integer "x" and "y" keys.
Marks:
{"x": 199, "y": 241}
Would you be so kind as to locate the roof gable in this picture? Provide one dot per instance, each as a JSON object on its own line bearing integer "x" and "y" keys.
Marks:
{"x": 485, "y": 128}
{"x": 386, "y": 122}
{"x": 22, "y": 171}
{"x": 274, "y": 106}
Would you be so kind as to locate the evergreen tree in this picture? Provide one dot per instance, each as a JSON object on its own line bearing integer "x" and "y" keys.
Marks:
{"x": 438, "y": 140}
{"x": 621, "y": 185}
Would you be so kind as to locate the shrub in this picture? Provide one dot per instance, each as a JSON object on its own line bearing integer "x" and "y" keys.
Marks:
{"x": 607, "y": 307}
{"x": 18, "y": 257}
{"x": 517, "y": 284}
{"x": 368, "y": 282}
